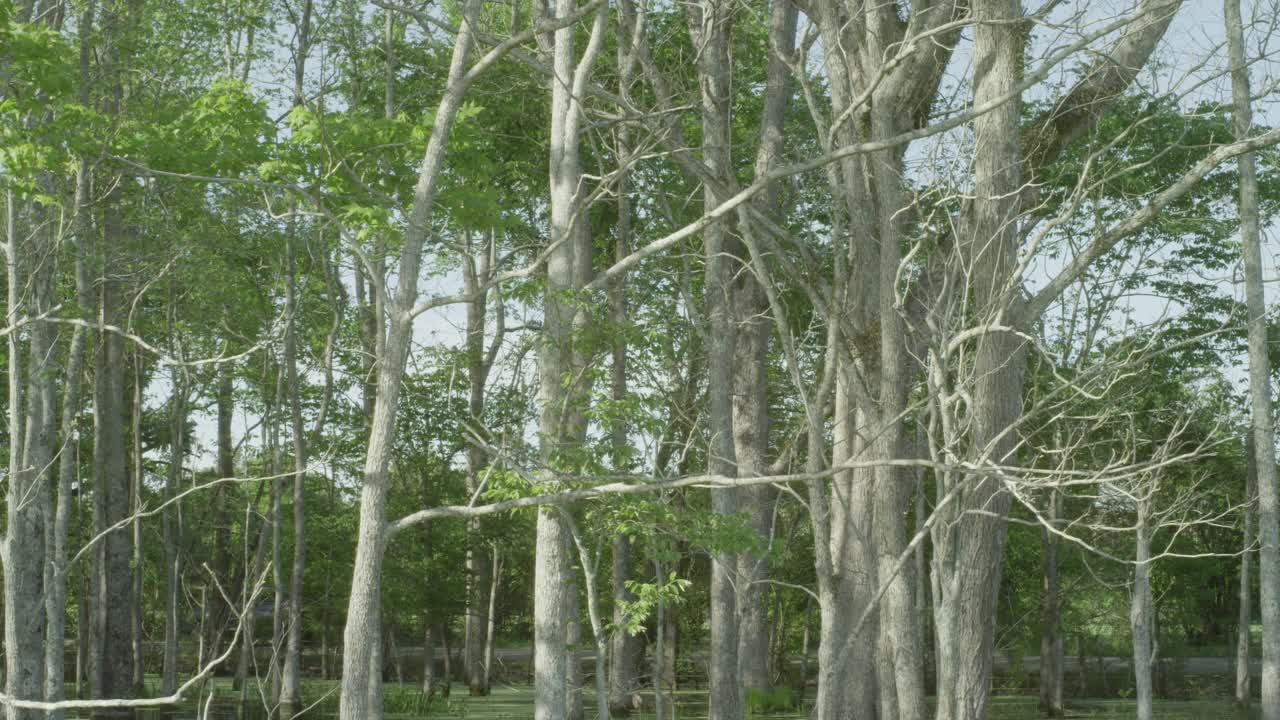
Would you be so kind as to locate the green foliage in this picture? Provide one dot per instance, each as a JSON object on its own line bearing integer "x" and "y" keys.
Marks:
{"x": 647, "y": 596}
{"x": 224, "y": 131}
{"x": 765, "y": 701}
{"x": 37, "y": 79}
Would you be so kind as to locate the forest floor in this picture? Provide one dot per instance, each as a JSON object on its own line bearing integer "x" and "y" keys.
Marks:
{"x": 515, "y": 702}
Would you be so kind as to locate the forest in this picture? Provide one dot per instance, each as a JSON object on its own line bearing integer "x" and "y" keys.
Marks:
{"x": 557, "y": 359}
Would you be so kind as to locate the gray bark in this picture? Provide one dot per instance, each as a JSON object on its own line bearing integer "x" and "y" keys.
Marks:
{"x": 588, "y": 561}
{"x": 659, "y": 652}
{"x": 550, "y": 659}
{"x": 428, "y": 649}
{"x": 561, "y": 389}
{"x": 1051, "y": 648}
{"x": 443, "y": 629}
{"x": 751, "y": 440}
{"x": 844, "y": 584}
{"x": 113, "y": 597}
{"x": 259, "y": 554}
{"x": 428, "y": 659}
{"x": 84, "y": 632}
{"x": 573, "y": 627}
{"x": 972, "y": 582}
{"x": 135, "y": 492}
{"x": 901, "y": 693}
{"x": 361, "y": 682}
{"x": 1259, "y": 376}
{"x": 30, "y": 444}
{"x": 625, "y": 649}
{"x": 171, "y": 521}
{"x": 476, "y": 273}
{"x": 111, "y": 654}
{"x": 864, "y": 532}
{"x": 489, "y": 639}
{"x": 171, "y": 516}
{"x": 709, "y": 23}
{"x": 275, "y": 463}
{"x": 670, "y": 630}
{"x": 221, "y": 518}
{"x": 39, "y": 445}
{"x": 56, "y": 574}
{"x": 923, "y": 596}
{"x": 291, "y": 670}
{"x": 1244, "y": 693}
{"x": 972, "y": 552}
{"x": 751, "y": 397}
{"x": 1140, "y": 615}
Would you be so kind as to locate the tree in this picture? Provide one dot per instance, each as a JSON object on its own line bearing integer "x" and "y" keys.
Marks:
{"x": 1263, "y": 432}
{"x": 561, "y": 386}
{"x": 361, "y": 677}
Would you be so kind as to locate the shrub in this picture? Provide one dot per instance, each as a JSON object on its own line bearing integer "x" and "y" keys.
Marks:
{"x": 762, "y": 701}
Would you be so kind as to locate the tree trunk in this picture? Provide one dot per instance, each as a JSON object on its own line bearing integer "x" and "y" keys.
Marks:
{"x": 278, "y": 586}
{"x": 428, "y": 648}
{"x": 709, "y": 23}
{"x": 588, "y": 563}
{"x": 113, "y": 599}
{"x": 448, "y": 658}
{"x": 291, "y": 673}
{"x": 57, "y": 572}
{"x": 626, "y": 650}
{"x": 83, "y": 636}
{"x": 670, "y": 630}
{"x": 221, "y": 518}
{"x": 41, "y": 427}
{"x": 902, "y": 692}
{"x": 660, "y": 667}
{"x": 84, "y": 626}
{"x": 253, "y": 572}
{"x": 428, "y": 659}
{"x": 1140, "y": 616}
{"x": 1244, "y": 693}
{"x": 1051, "y": 659}
{"x": 923, "y": 586}
{"x": 1259, "y": 376}
{"x": 803, "y": 680}
{"x": 171, "y": 522}
{"x": 550, "y": 631}
{"x": 476, "y": 620}
{"x": 750, "y": 377}
{"x": 974, "y": 580}
{"x": 561, "y": 389}
{"x": 489, "y": 638}
{"x": 478, "y": 569}
{"x": 135, "y": 493}
{"x": 361, "y": 683}
{"x": 751, "y": 440}
{"x": 393, "y": 650}
{"x": 845, "y": 588}
{"x": 30, "y": 440}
